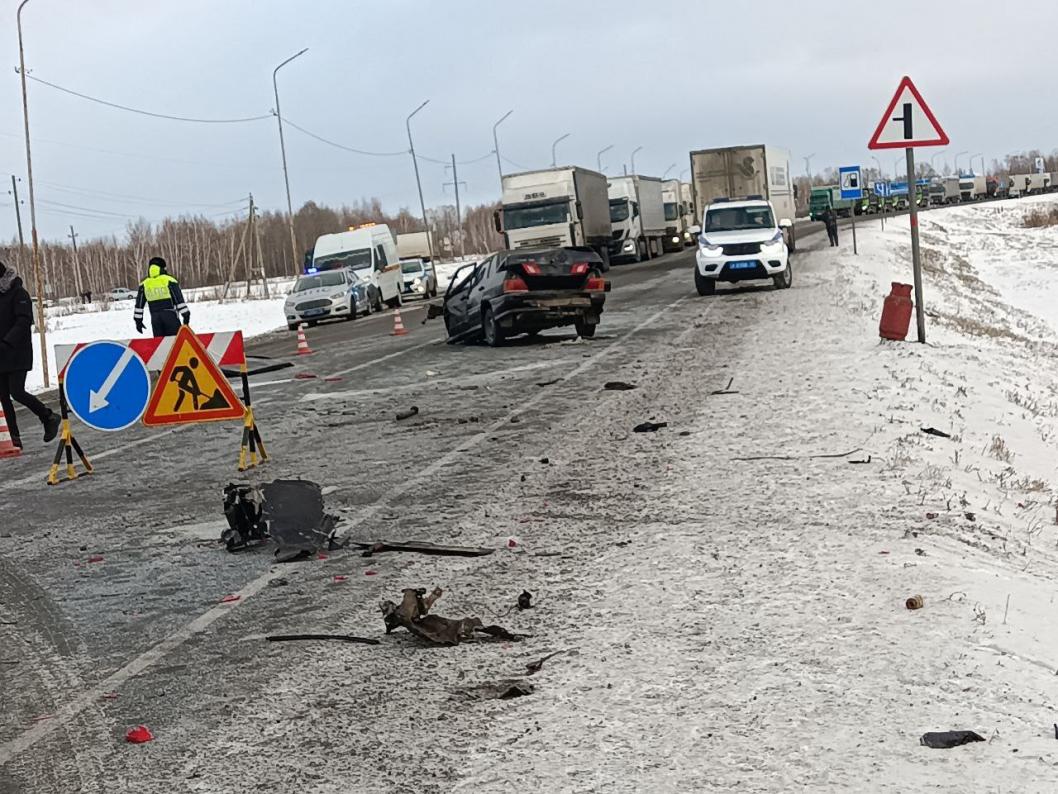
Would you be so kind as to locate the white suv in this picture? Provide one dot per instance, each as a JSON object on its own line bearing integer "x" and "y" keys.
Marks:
{"x": 740, "y": 241}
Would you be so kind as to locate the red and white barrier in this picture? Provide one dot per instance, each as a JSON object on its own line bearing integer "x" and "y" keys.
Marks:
{"x": 224, "y": 347}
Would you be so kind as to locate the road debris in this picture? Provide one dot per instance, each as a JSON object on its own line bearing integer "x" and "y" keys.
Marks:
{"x": 279, "y": 581}
{"x": 943, "y": 740}
{"x": 969, "y": 517}
{"x": 296, "y": 520}
{"x": 525, "y": 600}
{"x": 413, "y": 614}
{"x": 549, "y": 382}
{"x": 915, "y": 602}
{"x": 534, "y": 667}
{"x": 858, "y": 462}
{"x": 402, "y": 415}
{"x": 649, "y": 427}
{"x": 726, "y": 390}
{"x": 421, "y": 547}
{"x": 231, "y": 598}
{"x": 141, "y": 734}
{"x": 95, "y": 558}
{"x": 500, "y": 690}
{"x": 618, "y": 385}
{"x": 932, "y": 431}
{"x": 309, "y": 637}
{"x": 242, "y": 509}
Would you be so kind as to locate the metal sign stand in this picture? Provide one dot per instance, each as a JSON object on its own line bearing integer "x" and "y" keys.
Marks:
{"x": 67, "y": 444}
{"x": 916, "y": 258}
{"x": 251, "y": 436}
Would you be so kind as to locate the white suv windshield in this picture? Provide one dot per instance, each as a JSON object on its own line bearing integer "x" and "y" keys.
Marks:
{"x": 734, "y": 219}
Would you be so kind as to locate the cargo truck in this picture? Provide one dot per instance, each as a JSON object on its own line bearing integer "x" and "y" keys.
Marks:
{"x": 637, "y": 217}
{"x": 565, "y": 206}
{"x": 414, "y": 245}
{"x": 675, "y": 231}
{"x": 691, "y": 229}
{"x": 972, "y": 188}
{"x": 1029, "y": 184}
{"x": 828, "y": 197}
{"x": 736, "y": 172}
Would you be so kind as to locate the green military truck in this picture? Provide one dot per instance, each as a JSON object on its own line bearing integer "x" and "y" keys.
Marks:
{"x": 828, "y": 198}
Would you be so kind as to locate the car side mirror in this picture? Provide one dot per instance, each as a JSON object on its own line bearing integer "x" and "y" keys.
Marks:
{"x": 580, "y": 211}
{"x": 785, "y": 223}
{"x": 496, "y": 221}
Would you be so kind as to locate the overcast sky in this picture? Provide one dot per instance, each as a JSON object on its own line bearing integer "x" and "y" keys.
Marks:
{"x": 670, "y": 77}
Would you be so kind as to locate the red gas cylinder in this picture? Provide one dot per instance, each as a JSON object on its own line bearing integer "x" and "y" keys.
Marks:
{"x": 896, "y": 313}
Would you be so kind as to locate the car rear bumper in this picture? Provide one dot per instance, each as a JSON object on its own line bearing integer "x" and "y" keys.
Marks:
{"x": 547, "y": 309}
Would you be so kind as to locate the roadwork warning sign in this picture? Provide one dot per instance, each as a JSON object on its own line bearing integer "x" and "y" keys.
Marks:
{"x": 191, "y": 388}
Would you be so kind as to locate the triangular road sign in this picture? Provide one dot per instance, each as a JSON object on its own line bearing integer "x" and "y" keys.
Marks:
{"x": 191, "y": 387}
{"x": 907, "y": 122}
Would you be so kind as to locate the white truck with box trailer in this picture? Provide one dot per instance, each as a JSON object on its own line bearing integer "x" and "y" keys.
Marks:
{"x": 675, "y": 219}
{"x": 1029, "y": 184}
{"x": 739, "y": 172}
{"x": 972, "y": 188}
{"x": 637, "y": 217}
{"x": 565, "y": 206}
{"x": 691, "y": 229}
{"x": 414, "y": 245}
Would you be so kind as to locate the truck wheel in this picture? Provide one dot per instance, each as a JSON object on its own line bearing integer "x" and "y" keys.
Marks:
{"x": 785, "y": 279}
{"x": 705, "y": 286}
{"x": 490, "y": 329}
{"x": 585, "y": 329}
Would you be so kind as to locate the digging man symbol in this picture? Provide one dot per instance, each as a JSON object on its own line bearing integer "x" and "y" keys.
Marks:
{"x": 187, "y": 383}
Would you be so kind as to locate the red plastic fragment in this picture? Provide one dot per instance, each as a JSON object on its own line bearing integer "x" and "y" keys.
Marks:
{"x": 139, "y": 735}
{"x": 96, "y": 558}
{"x": 229, "y": 598}
{"x": 340, "y": 577}
{"x": 370, "y": 573}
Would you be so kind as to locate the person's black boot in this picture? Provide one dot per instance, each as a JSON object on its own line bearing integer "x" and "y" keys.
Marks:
{"x": 51, "y": 427}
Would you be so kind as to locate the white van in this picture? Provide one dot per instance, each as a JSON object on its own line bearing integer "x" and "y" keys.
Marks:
{"x": 371, "y": 251}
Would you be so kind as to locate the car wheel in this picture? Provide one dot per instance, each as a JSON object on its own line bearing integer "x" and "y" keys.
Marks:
{"x": 490, "y": 329}
{"x": 292, "y": 327}
{"x": 585, "y": 329}
{"x": 705, "y": 286}
{"x": 313, "y": 323}
{"x": 785, "y": 279}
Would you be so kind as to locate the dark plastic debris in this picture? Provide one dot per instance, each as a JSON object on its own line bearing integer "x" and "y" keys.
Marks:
{"x": 296, "y": 521}
{"x": 413, "y": 411}
{"x": 932, "y": 431}
{"x": 944, "y": 740}
{"x": 525, "y": 600}
{"x": 243, "y": 510}
{"x": 649, "y": 427}
{"x": 618, "y": 385}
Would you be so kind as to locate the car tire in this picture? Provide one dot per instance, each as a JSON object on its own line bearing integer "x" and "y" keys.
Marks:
{"x": 784, "y": 280}
{"x": 705, "y": 286}
{"x": 313, "y": 323}
{"x": 491, "y": 331}
{"x": 293, "y": 327}
{"x": 585, "y": 329}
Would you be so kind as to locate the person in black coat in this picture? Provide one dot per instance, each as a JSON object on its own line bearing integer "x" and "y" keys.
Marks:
{"x": 16, "y": 356}
{"x": 830, "y": 220}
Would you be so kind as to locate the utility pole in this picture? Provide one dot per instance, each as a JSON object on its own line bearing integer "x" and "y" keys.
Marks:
{"x": 418, "y": 181}
{"x": 78, "y": 283}
{"x": 38, "y": 278}
{"x": 496, "y": 143}
{"x": 459, "y": 215}
{"x": 252, "y": 221}
{"x": 18, "y": 212}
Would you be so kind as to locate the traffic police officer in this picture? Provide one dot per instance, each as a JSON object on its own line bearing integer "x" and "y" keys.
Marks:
{"x": 161, "y": 293}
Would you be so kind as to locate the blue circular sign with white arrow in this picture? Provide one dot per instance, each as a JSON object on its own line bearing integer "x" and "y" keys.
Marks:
{"x": 107, "y": 385}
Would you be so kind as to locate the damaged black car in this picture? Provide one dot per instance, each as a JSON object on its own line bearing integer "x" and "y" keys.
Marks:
{"x": 525, "y": 292}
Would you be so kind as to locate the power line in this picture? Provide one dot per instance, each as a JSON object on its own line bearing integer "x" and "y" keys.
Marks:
{"x": 124, "y": 198}
{"x": 146, "y": 112}
{"x": 321, "y": 139}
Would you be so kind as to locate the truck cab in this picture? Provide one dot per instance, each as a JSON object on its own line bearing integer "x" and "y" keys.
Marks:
{"x": 674, "y": 216}
{"x": 370, "y": 251}
{"x": 819, "y": 202}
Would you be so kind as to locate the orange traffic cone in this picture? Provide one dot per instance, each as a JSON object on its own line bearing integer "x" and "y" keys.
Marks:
{"x": 7, "y": 447}
{"x": 398, "y": 324}
{"x": 303, "y": 343}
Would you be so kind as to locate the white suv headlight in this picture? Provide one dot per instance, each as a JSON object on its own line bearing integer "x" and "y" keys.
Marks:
{"x": 708, "y": 248}
{"x": 774, "y": 244}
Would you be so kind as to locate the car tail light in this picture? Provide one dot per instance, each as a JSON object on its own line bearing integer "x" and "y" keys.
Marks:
{"x": 515, "y": 284}
{"x": 595, "y": 284}
{"x": 531, "y": 268}
{"x": 579, "y": 268}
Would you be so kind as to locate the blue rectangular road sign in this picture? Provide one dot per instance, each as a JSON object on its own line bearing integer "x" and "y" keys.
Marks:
{"x": 851, "y": 181}
{"x": 882, "y": 189}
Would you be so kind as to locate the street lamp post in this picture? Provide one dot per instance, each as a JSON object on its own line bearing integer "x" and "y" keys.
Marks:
{"x": 496, "y": 143}
{"x": 598, "y": 157}
{"x": 974, "y": 157}
{"x": 37, "y": 277}
{"x": 667, "y": 170}
{"x": 957, "y": 156}
{"x": 558, "y": 140}
{"x": 637, "y": 149}
{"x": 808, "y": 166}
{"x": 418, "y": 182}
{"x": 684, "y": 171}
{"x": 283, "y": 151}
{"x": 932, "y": 157}
{"x": 878, "y": 163}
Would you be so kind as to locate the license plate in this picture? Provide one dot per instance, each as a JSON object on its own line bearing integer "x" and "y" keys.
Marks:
{"x": 314, "y": 312}
{"x": 743, "y": 265}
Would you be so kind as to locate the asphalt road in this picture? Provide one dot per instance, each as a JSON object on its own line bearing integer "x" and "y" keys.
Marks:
{"x": 110, "y": 586}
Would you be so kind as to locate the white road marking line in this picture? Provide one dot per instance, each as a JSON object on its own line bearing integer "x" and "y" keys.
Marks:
{"x": 386, "y": 357}
{"x": 64, "y": 714}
